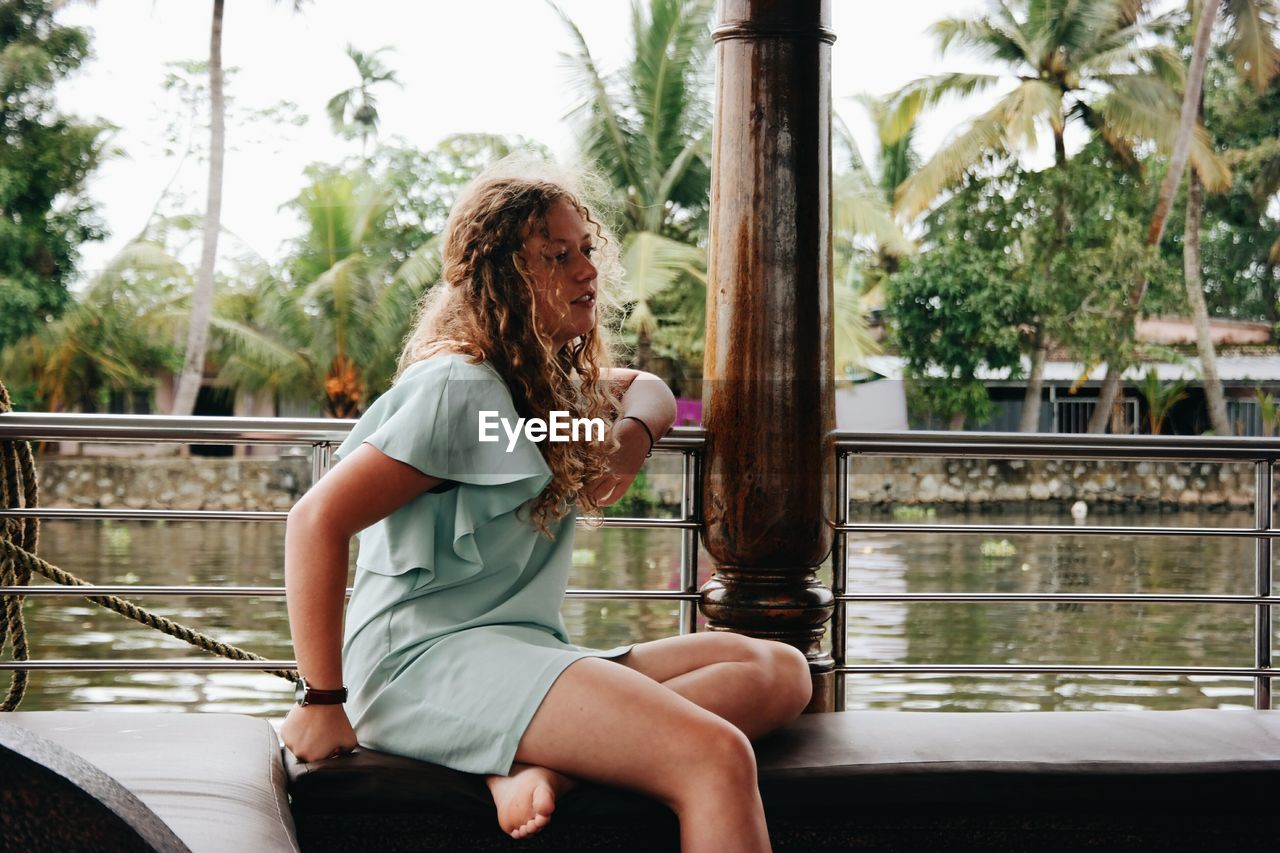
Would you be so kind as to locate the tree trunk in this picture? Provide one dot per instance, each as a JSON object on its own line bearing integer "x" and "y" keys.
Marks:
{"x": 1199, "y": 311}
{"x": 1164, "y": 202}
{"x": 1030, "y": 420}
{"x": 1270, "y": 297}
{"x": 202, "y": 300}
{"x": 956, "y": 423}
{"x": 644, "y": 350}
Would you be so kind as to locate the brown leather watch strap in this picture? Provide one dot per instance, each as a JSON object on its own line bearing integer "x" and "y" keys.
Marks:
{"x": 308, "y": 695}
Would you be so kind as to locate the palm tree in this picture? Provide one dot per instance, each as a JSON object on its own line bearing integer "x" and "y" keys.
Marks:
{"x": 868, "y": 242}
{"x": 114, "y": 338}
{"x": 863, "y": 200}
{"x": 648, "y": 129}
{"x": 331, "y": 329}
{"x": 1161, "y": 399}
{"x": 1089, "y": 61}
{"x": 1253, "y": 44}
{"x": 354, "y": 111}
{"x": 1093, "y": 62}
{"x": 192, "y": 374}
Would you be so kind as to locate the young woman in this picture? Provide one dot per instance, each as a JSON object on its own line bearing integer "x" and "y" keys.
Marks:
{"x": 454, "y": 650}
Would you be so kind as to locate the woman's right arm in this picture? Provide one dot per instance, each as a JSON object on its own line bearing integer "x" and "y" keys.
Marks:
{"x": 362, "y": 489}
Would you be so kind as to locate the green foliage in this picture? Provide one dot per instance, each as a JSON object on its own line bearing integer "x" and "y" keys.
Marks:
{"x": 1095, "y": 63}
{"x": 638, "y": 502}
{"x": 117, "y": 336}
{"x": 1012, "y": 251}
{"x": 1241, "y": 243}
{"x": 45, "y": 160}
{"x": 353, "y": 112}
{"x": 421, "y": 185}
{"x": 327, "y": 328}
{"x": 1160, "y": 399}
{"x": 956, "y": 315}
{"x": 1268, "y": 410}
{"x": 647, "y": 128}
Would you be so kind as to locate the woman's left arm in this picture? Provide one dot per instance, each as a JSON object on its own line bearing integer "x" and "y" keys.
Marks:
{"x": 647, "y": 399}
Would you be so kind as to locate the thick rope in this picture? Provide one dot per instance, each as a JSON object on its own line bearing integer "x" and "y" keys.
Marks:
{"x": 18, "y": 561}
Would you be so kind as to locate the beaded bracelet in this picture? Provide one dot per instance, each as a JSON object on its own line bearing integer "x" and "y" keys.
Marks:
{"x": 647, "y": 431}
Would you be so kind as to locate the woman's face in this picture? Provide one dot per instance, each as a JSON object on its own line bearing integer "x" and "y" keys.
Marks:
{"x": 564, "y": 277}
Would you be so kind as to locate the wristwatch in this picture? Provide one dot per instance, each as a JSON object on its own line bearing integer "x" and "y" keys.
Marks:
{"x": 308, "y": 695}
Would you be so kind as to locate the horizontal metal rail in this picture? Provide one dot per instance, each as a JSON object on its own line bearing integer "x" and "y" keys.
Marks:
{"x": 1054, "y": 529}
{"x": 1016, "y": 445}
{"x": 279, "y": 516}
{"x": 18, "y": 426}
{"x": 870, "y": 669}
{"x": 179, "y": 665}
{"x": 1262, "y": 453}
{"x": 30, "y": 426}
{"x": 1070, "y": 597}
{"x": 124, "y": 589}
{"x": 56, "y": 591}
{"x": 1055, "y": 669}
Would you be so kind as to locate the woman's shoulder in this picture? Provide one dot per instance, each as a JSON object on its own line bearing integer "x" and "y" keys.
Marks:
{"x": 448, "y": 364}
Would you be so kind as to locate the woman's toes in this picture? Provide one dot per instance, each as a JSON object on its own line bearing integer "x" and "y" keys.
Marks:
{"x": 544, "y": 803}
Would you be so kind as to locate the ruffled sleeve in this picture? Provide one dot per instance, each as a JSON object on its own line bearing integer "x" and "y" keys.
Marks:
{"x": 431, "y": 419}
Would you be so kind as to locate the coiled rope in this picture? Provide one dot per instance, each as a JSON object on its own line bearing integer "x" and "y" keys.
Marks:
{"x": 19, "y": 537}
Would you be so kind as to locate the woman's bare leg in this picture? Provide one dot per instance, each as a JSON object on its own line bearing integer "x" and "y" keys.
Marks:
{"x": 757, "y": 685}
{"x": 609, "y": 724}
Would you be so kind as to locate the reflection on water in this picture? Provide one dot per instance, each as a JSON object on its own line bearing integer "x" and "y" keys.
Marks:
{"x": 1053, "y": 632}
{"x": 252, "y": 554}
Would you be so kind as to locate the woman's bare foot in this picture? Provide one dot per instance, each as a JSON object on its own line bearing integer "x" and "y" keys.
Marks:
{"x": 526, "y": 798}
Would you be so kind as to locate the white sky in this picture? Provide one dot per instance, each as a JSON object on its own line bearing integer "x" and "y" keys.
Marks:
{"x": 479, "y": 66}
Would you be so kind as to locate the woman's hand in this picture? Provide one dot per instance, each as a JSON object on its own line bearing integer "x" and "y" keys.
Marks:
{"x": 314, "y": 732}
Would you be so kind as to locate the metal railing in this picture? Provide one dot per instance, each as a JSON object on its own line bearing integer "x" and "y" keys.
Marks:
{"x": 1263, "y": 454}
{"x": 321, "y": 436}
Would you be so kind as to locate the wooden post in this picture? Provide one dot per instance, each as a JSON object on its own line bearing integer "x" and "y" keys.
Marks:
{"x": 768, "y": 388}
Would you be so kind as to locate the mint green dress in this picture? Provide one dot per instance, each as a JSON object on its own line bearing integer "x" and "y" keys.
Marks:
{"x": 453, "y": 633}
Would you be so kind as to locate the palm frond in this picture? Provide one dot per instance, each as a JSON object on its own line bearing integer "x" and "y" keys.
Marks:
{"x": 422, "y": 268}
{"x": 696, "y": 147}
{"x": 983, "y": 37}
{"x": 929, "y": 91}
{"x": 1137, "y": 110}
{"x": 860, "y": 212}
{"x": 1253, "y": 41}
{"x": 670, "y": 46}
{"x": 853, "y": 341}
{"x": 653, "y": 263}
{"x": 596, "y": 111}
{"x": 337, "y": 108}
{"x": 985, "y": 134}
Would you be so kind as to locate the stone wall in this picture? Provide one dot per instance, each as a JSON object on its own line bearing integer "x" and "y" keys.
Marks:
{"x": 172, "y": 483}
{"x": 264, "y": 484}
{"x": 978, "y": 482}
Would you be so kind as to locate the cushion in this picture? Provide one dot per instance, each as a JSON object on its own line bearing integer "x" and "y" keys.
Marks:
{"x": 869, "y": 780}
{"x": 216, "y": 780}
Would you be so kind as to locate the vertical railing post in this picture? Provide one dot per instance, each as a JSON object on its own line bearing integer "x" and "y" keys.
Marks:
{"x": 321, "y": 460}
{"x": 689, "y": 542}
{"x": 1262, "y": 511}
{"x": 839, "y": 583}
{"x": 769, "y": 372}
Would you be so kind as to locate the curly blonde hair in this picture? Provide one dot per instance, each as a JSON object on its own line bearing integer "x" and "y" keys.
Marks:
{"x": 484, "y": 307}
